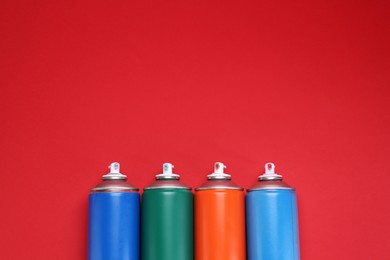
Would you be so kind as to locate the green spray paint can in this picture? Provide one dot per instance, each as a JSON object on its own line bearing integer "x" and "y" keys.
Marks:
{"x": 167, "y": 219}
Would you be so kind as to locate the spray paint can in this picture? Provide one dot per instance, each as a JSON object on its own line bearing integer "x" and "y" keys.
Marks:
{"x": 113, "y": 231}
{"x": 167, "y": 218}
{"x": 219, "y": 218}
{"x": 272, "y": 220}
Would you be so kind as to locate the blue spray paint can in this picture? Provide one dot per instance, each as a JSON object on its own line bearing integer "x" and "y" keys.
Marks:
{"x": 114, "y": 216}
{"x": 272, "y": 219}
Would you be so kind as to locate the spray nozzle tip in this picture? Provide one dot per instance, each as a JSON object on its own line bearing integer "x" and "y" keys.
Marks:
{"x": 219, "y": 172}
{"x": 167, "y": 172}
{"x": 114, "y": 167}
{"x": 269, "y": 168}
{"x": 269, "y": 173}
{"x": 167, "y": 168}
{"x": 114, "y": 172}
{"x": 219, "y": 167}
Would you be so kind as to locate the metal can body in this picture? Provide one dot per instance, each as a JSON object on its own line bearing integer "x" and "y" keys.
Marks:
{"x": 220, "y": 224}
{"x": 114, "y": 226}
{"x": 272, "y": 218}
{"x": 272, "y": 225}
{"x": 114, "y": 218}
{"x": 167, "y": 224}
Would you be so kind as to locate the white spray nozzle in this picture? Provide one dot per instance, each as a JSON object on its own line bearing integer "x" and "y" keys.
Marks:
{"x": 167, "y": 168}
{"x": 114, "y": 172}
{"x": 219, "y": 172}
{"x": 269, "y": 173}
{"x": 167, "y": 172}
{"x": 114, "y": 167}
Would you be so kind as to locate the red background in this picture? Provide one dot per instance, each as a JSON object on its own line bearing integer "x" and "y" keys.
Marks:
{"x": 303, "y": 84}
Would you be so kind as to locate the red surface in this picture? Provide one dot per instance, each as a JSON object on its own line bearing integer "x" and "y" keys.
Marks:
{"x": 304, "y": 84}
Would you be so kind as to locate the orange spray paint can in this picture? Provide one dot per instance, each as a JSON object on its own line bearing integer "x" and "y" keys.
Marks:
{"x": 219, "y": 218}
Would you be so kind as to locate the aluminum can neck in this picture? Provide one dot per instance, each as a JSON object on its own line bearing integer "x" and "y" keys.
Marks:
{"x": 167, "y": 184}
{"x": 219, "y": 184}
{"x": 270, "y": 185}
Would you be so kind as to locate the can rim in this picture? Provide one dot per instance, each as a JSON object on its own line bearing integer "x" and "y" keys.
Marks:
{"x": 273, "y": 188}
{"x": 114, "y": 188}
{"x": 219, "y": 188}
{"x": 167, "y": 187}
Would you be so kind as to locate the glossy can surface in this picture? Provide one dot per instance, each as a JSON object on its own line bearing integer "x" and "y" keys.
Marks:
{"x": 167, "y": 224}
{"x": 219, "y": 218}
{"x": 114, "y": 226}
{"x": 220, "y": 224}
{"x": 272, "y": 225}
{"x": 114, "y": 219}
{"x": 272, "y": 219}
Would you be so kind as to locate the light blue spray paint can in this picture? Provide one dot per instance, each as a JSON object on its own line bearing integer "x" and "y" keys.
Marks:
{"x": 272, "y": 219}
